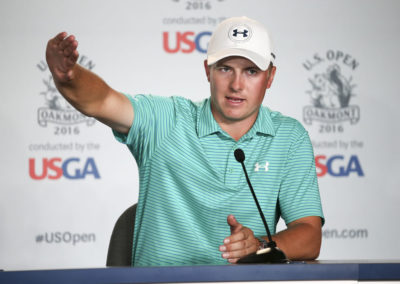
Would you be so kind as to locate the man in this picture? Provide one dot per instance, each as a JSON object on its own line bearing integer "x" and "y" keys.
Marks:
{"x": 194, "y": 204}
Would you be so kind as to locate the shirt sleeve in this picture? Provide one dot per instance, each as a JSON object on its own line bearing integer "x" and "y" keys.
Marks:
{"x": 299, "y": 194}
{"x": 154, "y": 118}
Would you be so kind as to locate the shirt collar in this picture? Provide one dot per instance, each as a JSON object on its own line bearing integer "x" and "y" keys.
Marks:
{"x": 263, "y": 123}
{"x": 207, "y": 125}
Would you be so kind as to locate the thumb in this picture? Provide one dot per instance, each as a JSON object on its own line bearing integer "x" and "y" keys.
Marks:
{"x": 234, "y": 224}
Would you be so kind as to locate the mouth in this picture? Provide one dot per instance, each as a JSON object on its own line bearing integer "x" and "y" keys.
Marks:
{"x": 234, "y": 100}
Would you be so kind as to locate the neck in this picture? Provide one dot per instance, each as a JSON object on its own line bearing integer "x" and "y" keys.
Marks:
{"x": 236, "y": 129}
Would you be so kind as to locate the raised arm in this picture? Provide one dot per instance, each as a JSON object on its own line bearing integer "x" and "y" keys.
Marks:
{"x": 86, "y": 91}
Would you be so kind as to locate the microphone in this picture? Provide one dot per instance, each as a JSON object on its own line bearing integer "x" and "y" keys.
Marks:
{"x": 270, "y": 254}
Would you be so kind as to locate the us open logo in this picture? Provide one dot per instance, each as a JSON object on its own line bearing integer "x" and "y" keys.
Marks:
{"x": 56, "y": 110}
{"x": 331, "y": 91}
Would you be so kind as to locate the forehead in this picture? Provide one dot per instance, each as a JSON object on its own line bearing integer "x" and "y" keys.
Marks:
{"x": 236, "y": 60}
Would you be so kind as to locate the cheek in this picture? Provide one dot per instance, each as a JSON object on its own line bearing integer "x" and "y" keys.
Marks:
{"x": 258, "y": 88}
{"x": 217, "y": 86}
{"x": 213, "y": 89}
{"x": 214, "y": 92}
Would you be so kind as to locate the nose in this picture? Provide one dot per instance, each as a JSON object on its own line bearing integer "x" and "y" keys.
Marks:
{"x": 237, "y": 82}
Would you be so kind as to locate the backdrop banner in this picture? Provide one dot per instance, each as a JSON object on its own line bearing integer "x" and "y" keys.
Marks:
{"x": 64, "y": 178}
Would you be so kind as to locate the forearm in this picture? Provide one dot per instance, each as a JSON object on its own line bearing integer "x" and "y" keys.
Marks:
{"x": 85, "y": 90}
{"x": 301, "y": 241}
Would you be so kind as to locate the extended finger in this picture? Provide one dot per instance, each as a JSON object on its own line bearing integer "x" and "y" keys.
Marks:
{"x": 58, "y": 38}
{"x": 240, "y": 253}
{"x": 70, "y": 49}
{"x": 234, "y": 225}
{"x": 240, "y": 245}
{"x": 66, "y": 42}
{"x": 243, "y": 244}
{"x": 242, "y": 234}
{"x": 55, "y": 41}
{"x": 73, "y": 57}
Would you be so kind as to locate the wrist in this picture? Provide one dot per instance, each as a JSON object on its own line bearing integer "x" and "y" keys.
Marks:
{"x": 262, "y": 243}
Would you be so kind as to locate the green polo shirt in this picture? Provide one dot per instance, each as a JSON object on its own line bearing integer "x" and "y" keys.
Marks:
{"x": 190, "y": 181}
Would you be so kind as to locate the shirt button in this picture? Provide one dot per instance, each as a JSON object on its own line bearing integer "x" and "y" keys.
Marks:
{"x": 230, "y": 171}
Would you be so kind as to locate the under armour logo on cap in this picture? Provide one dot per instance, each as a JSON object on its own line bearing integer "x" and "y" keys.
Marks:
{"x": 240, "y": 33}
{"x": 236, "y": 32}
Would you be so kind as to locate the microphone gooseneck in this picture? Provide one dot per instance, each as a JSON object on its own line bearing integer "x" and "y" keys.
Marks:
{"x": 239, "y": 156}
{"x": 271, "y": 254}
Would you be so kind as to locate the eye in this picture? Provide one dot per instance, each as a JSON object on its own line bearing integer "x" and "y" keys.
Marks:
{"x": 252, "y": 71}
{"x": 224, "y": 68}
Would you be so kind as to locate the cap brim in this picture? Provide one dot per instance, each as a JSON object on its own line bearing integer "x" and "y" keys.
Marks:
{"x": 258, "y": 60}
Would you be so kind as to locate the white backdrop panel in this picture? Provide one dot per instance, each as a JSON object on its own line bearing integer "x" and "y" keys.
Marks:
{"x": 65, "y": 180}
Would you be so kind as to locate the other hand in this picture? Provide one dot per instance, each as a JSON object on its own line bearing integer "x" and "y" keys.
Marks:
{"x": 240, "y": 243}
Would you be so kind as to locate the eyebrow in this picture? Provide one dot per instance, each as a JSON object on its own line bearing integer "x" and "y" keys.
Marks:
{"x": 253, "y": 67}
{"x": 220, "y": 64}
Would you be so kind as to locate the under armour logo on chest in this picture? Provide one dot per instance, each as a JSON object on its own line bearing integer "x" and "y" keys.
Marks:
{"x": 243, "y": 33}
{"x": 258, "y": 167}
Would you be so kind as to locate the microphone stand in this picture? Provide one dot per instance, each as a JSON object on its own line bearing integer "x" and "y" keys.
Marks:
{"x": 270, "y": 254}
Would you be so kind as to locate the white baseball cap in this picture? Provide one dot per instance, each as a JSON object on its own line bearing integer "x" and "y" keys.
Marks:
{"x": 241, "y": 36}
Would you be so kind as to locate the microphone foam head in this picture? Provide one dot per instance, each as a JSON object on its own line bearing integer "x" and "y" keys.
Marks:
{"x": 239, "y": 155}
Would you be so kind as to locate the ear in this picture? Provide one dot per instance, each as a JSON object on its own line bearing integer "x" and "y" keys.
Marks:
{"x": 207, "y": 69}
{"x": 271, "y": 77}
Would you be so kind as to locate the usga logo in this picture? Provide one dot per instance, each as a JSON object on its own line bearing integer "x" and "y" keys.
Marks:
{"x": 338, "y": 166}
{"x": 57, "y": 110}
{"x": 331, "y": 90}
{"x": 186, "y": 42}
{"x": 55, "y": 168}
